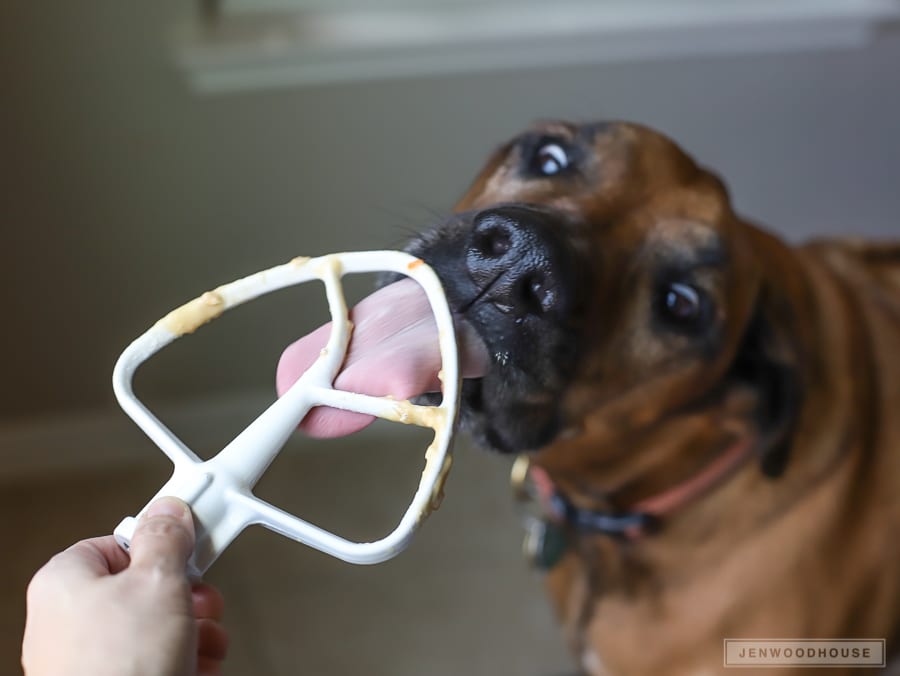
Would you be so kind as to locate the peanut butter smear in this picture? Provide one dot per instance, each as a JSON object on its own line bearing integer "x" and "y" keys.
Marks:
{"x": 194, "y": 314}
{"x": 437, "y": 493}
{"x": 409, "y": 413}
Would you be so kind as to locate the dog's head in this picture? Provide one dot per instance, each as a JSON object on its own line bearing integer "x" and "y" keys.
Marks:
{"x": 621, "y": 299}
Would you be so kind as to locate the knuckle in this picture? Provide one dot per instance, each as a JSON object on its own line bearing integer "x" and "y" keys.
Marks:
{"x": 161, "y": 545}
{"x": 163, "y": 527}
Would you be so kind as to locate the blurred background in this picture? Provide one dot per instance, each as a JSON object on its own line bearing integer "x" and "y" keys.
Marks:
{"x": 151, "y": 151}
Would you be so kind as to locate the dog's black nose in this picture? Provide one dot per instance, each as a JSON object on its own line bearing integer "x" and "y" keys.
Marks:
{"x": 517, "y": 257}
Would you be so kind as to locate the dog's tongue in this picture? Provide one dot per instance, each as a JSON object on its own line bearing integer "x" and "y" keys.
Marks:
{"x": 393, "y": 351}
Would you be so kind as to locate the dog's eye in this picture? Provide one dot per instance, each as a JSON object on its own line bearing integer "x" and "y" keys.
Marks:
{"x": 683, "y": 305}
{"x": 550, "y": 159}
{"x": 682, "y": 302}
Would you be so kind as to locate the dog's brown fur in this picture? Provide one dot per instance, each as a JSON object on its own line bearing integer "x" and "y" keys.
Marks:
{"x": 803, "y": 543}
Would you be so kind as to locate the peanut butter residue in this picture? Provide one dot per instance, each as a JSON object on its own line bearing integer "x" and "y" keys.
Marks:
{"x": 437, "y": 493}
{"x": 330, "y": 266}
{"x": 300, "y": 261}
{"x": 415, "y": 264}
{"x": 436, "y": 418}
{"x": 409, "y": 413}
{"x": 194, "y": 314}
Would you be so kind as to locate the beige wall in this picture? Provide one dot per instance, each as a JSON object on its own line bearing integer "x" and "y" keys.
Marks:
{"x": 125, "y": 194}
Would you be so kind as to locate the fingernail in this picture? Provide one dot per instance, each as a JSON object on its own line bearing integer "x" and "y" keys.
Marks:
{"x": 168, "y": 506}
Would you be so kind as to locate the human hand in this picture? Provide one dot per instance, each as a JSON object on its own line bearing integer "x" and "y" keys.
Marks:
{"x": 94, "y": 611}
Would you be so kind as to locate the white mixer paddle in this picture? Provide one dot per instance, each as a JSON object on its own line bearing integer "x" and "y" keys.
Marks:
{"x": 220, "y": 490}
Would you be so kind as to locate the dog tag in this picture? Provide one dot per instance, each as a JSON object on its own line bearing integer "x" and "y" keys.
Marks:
{"x": 545, "y": 543}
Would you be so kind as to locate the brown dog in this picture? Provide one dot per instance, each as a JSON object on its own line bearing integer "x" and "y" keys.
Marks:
{"x": 647, "y": 341}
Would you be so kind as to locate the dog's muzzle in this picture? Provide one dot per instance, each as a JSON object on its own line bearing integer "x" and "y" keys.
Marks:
{"x": 514, "y": 274}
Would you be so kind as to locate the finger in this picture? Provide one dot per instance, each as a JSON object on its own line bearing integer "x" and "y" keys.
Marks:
{"x": 96, "y": 556}
{"x": 115, "y": 558}
{"x": 212, "y": 640}
{"x": 208, "y": 667}
{"x": 164, "y": 537}
{"x": 208, "y": 602}
{"x": 87, "y": 559}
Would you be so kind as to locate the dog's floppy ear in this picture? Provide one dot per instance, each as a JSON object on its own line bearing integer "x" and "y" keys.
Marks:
{"x": 768, "y": 361}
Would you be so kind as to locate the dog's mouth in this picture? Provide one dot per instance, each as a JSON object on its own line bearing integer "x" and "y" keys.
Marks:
{"x": 512, "y": 283}
{"x": 512, "y": 275}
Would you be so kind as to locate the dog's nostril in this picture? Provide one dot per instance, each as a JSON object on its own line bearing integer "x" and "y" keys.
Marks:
{"x": 492, "y": 242}
{"x": 534, "y": 293}
{"x": 515, "y": 259}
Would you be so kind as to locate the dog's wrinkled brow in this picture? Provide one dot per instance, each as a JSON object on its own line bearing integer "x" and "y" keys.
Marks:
{"x": 689, "y": 248}
{"x": 711, "y": 256}
{"x": 689, "y": 260}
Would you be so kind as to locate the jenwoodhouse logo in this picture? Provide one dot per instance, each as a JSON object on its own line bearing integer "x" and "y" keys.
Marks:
{"x": 804, "y": 652}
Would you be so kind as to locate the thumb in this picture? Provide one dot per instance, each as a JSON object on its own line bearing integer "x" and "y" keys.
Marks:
{"x": 164, "y": 537}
